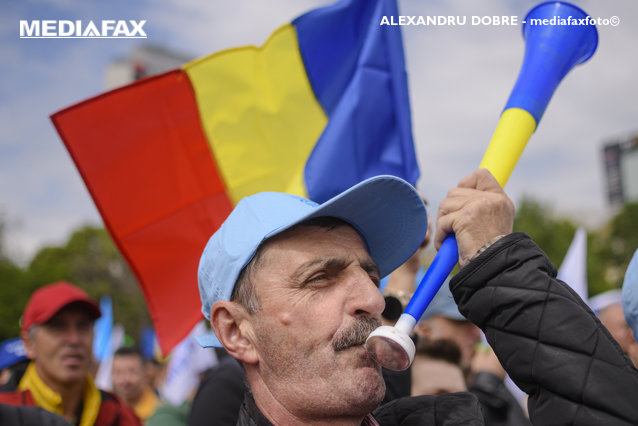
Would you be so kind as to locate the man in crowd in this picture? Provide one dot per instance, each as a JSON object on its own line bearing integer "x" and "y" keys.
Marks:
{"x": 608, "y": 307}
{"x": 442, "y": 320}
{"x": 437, "y": 368}
{"x": 484, "y": 375}
{"x": 131, "y": 383}
{"x": 443, "y": 324}
{"x": 630, "y": 297}
{"x": 57, "y": 331}
{"x": 290, "y": 288}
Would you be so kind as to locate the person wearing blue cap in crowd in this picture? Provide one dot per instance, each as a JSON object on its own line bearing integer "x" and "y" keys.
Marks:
{"x": 442, "y": 325}
{"x": 11, "y": 354}
{"x": 484, "y": 375}
{"x": 608, "y": 308}
{"x": 291, "y": 290}
{"x": 629, "y": 299}
{"x": 442, "y": 320}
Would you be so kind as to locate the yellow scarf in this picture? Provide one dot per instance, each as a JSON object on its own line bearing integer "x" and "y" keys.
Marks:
{"x": 50, "y": 400}
{"x": 147, "y": 404}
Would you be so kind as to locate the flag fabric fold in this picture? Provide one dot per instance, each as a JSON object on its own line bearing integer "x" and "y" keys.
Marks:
{"x": 573, "y": 270}
{"x": 104, "y": 374}
{"x": 320, "y": 106}
{"x": 102, "y": 329}
{"x": 187, "y": 363}
{"x": 358, "y": 75}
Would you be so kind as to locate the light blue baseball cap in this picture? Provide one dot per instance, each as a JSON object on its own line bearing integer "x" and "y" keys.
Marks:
{"x": 387, "y": 212}
{"x": 602, "y": 301}
{"x": 630, "y": 295}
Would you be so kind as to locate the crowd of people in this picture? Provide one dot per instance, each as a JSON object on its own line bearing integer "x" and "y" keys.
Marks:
{"x": 292, "y": 289}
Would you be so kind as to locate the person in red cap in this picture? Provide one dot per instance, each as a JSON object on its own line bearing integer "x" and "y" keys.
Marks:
{"x": 57, "y": 331}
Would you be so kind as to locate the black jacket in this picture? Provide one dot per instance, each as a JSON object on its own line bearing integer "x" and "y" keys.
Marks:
{"x": 15, "y": 415}
{"x": 448, "y": 409}
{"x": 219, "y": 395}
{"x": 498, "y": 405}
{"x": 546, "y": 337}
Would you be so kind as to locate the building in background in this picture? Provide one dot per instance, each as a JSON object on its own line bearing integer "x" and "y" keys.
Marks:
{"x": 143, "y": 61}
{"x": 621, "y": 169}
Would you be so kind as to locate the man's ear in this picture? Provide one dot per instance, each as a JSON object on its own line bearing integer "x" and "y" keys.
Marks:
{"x": 29, "y": 344}
{"x": 233, "y": 327}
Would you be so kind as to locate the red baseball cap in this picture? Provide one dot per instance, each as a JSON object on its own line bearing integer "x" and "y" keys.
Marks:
{"x": 48, "y": 300}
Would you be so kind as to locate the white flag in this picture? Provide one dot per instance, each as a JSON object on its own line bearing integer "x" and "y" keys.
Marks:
{"x": 103, "y": 379}
{"x": 573, "y": 270}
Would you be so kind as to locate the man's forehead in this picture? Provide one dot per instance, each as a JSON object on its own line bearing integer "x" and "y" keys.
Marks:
{"x": 128, "y": 358}
{"x": 613, "y": 311}
{"x": 307, "y": 245}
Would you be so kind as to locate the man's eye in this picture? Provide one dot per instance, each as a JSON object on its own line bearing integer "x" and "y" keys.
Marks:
{"x": 85, "y": 326}
{"x": 376, "y": 280}
{"x": 317, "y": 277}
{"x": 55, "y": 326}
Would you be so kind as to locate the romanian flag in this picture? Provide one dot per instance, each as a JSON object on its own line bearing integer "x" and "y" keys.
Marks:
{"x": 322, "y": 105}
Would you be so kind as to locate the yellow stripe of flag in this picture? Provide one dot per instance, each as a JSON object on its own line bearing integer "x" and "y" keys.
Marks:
{"x": 259, "y": 114}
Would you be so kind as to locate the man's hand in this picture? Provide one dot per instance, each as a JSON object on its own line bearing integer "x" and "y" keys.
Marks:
{"x": 477, "y": 211}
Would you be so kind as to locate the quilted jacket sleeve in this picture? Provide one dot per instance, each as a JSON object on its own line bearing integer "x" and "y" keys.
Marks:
{"x": 546, "y": 337}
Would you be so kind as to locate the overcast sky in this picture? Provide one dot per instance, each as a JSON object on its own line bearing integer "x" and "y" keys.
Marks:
{"x": 459, "y": 78}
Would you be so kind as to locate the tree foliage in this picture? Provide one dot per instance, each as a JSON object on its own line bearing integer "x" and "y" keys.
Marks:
{"x": 552, "y": 235}
{"x": 13, "y": 296}
{"x": 609, "y": 249}
{"x": 90, "y": 260}
{"x": 619, "y": 241}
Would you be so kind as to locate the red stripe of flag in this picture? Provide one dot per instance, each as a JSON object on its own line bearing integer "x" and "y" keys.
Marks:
{"x": 154, "y": 180}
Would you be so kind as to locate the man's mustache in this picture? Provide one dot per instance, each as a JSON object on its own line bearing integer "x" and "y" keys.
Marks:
{"x": 356, "y": 334}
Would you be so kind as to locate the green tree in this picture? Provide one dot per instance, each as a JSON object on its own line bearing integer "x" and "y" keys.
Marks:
{"x": 553, "y": 235}
{"x": 88, "y": 259}
{"x": 615, "y": 246}
{"x": 609, "y": 248}
{"x": 624, "y": 234}
{"x": 11, "y": 289}
{"x": 597, "y": 255}
{"x": 13, "y": 297}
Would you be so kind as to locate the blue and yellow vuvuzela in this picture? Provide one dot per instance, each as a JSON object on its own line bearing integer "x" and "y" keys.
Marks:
{"x": 550, "y": 52}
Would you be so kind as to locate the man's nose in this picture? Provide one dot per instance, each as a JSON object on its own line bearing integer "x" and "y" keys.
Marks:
{"x": 74, "y": 333}
{"x": 365, "y": 297}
